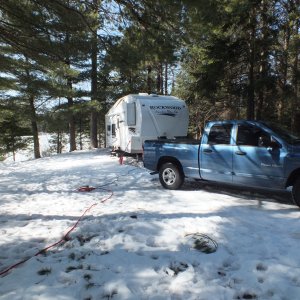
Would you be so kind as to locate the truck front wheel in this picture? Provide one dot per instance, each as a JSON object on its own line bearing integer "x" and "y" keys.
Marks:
{"x": 296, "y": 192}
{"x": 170, "y": 176}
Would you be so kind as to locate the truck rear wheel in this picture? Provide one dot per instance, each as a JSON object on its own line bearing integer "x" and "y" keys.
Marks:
{"x": 170, "y": 176}
{"x": 296, "y": 192}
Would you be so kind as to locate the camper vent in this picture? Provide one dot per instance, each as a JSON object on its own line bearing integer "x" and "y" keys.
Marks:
{"x": 146, "y": 94}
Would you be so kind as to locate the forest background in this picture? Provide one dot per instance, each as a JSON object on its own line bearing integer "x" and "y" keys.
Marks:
{"x": 64, "y": 62}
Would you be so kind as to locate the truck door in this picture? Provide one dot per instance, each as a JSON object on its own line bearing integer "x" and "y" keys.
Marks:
{"x": 216, "y": 154}
{"x": 257, "y": 158}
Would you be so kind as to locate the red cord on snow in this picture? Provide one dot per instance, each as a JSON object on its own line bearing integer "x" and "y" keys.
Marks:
{"x": 65, "y": 237}
{"x": 86, "y": 188}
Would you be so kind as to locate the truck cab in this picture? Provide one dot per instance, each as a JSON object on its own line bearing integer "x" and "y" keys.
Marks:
{"x": 244, "y": 152}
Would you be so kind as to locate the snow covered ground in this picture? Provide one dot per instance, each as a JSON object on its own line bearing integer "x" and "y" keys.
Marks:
{"x": 138, "y": 240}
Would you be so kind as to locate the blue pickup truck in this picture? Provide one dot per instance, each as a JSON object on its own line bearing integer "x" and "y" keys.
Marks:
{"x": 248, "y": 153}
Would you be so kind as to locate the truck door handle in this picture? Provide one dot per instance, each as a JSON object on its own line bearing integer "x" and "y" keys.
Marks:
{"x": 207, "y": 150}
{"x": 240, "y": 153}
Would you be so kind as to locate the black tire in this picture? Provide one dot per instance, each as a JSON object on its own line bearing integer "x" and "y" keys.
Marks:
{"x": 296, "y": 192}
{"x": 170, "y": 176}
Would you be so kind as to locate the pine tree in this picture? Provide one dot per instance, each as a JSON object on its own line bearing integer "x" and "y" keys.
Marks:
{"x": 13, "y": 130}
{"x": 231, "y": 60}
{"x": 51, "y": 37}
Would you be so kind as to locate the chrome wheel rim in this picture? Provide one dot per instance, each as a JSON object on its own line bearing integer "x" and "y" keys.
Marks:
{"x": 169, "y": 176}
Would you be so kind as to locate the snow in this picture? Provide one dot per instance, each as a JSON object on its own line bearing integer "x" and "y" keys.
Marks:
{"x": 27, "y": 153}
{"x": 137, "y": 240}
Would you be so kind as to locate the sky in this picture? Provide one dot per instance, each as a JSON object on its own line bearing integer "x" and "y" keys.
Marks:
{"x": 131, "y": 239}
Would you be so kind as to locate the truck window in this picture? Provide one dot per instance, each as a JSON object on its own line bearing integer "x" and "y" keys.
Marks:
{"x": 220, "y": 134}
{"x": 249, "y": 135}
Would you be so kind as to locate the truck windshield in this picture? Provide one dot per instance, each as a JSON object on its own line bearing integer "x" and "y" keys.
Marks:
{"x": 285, "y": 134}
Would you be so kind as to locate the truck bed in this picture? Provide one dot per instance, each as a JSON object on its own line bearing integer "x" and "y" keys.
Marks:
{"x": 184, "y": 150}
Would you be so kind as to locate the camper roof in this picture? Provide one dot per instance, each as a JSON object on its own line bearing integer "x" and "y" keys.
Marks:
{"x": 143, "y": 96}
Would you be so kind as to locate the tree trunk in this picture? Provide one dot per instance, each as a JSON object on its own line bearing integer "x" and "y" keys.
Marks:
{"x": 161, "y": 88}
{"x": 284, "y": 72}
{"x": 58, "y": 143}
{"x": 250, "y": 100}
{"x": 79, "y": 131}
{"x": 72, "y": 126}
{"x": 166, "y": 78}
{"x": 34, "y": 128}
{"x": 94, "y": 87}
{"x": 158, "y": 79}
{"x": 149, "y": 80}
{"x": 13, "y": 150}
{"x": 33, "y": 119}
{"x": 103, "y": 127}
{"x": 295, "y": 70}
{"x": 94, "y": 129}
{"x": 263, "y": 62}
{"x": 173, "y": 81}
{"x": 58, "y": 138}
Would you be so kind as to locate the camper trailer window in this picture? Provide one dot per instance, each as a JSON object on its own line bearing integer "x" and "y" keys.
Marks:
{"x": 108, "y": 128}
{"x": 131, "y": 114}
{"x": 113, "y": 129}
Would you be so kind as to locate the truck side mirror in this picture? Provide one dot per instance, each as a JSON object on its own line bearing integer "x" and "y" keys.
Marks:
{"x": 274, "y": 144}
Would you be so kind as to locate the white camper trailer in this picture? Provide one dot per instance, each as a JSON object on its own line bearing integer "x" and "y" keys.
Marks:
{"x": 136, "y": 118}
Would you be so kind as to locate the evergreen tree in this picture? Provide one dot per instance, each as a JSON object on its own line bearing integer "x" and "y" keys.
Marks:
{"x": 51, "y": 37}
{"x": 232, "y": 61}
{"x": 142, "y": 56}
{"x": 13, "y": 130}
